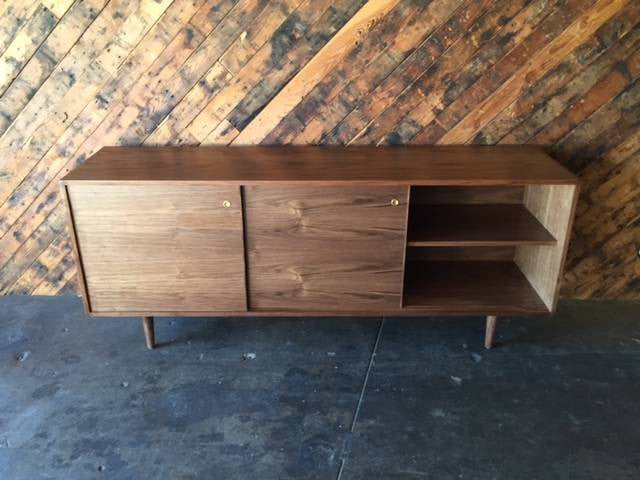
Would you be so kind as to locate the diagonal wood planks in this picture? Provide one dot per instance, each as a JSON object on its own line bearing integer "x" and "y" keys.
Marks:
{"x": 77, "y": 75}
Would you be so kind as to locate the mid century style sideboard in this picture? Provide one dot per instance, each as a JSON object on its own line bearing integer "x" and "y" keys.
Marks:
{"x": 320, "y": 231}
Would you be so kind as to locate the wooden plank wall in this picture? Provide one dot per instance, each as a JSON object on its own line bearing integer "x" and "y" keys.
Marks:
{"x": 77, "y": 75}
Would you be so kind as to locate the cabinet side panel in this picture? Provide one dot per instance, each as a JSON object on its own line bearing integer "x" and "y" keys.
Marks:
{"x": 71, "y": 229}
{"x": 325, "y": 248}
{"x": 553, "y": 206}
{"x": 160, "y": 248}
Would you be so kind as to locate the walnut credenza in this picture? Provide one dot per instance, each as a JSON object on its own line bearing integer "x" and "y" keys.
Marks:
{"x": 320, "y": 231}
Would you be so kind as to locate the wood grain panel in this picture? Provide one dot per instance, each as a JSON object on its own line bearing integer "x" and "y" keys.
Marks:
{"x": 176, "y": 248}
{"x": 553, "y": 206}
{"x": 325, "y": 248}
{"x": 77, "y": 75}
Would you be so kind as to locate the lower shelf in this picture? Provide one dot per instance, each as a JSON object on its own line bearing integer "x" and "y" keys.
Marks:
{"x": 474, "y": 287}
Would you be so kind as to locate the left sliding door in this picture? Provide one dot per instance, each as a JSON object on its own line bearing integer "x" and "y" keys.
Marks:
{"x": 159, "y": 247}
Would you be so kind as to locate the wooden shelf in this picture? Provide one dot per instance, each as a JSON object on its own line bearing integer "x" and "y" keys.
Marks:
{"x": 475, "y": 225}
{"x": 469, "y": 287}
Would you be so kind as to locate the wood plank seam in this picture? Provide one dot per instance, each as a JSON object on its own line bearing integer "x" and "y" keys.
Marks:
{"x": 411, "y": 85}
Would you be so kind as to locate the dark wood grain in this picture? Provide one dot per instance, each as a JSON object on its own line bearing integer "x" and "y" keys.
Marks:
{"x": 258, "y": 165}
{"x": 452, "y": 194}
{"x": 469, "y": 225}
{"x": 327, "y": 248}
{"x": 160, "y": 248}
{"x": 474, "y": 287}
{"x": 505, "y": 253}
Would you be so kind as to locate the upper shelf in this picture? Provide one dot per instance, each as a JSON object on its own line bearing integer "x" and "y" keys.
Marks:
{"x": 475, "y": 225}
{"x": 306, "y": 165}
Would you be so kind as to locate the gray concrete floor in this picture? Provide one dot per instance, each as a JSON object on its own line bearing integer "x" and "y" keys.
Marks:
{"x": 324, "y": 398}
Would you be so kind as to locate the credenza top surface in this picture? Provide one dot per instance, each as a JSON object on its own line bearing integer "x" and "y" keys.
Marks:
{"x": 307, "y": 165}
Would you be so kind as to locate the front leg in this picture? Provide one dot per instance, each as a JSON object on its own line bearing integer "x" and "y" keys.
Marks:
{"x": 149, "y": 334}
{"x": 490, "y": 330}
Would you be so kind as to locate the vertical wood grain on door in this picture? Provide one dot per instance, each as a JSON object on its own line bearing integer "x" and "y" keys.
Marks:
{"x": 325, "y": 248}
{"x": 160, "y": 247}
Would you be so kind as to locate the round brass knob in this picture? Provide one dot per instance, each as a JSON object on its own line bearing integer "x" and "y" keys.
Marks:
{"x": 226, "y": 204}
{"x": 395, "y": 202}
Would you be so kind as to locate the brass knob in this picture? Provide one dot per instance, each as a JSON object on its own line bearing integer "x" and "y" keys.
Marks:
{"x": 226, "y": 204}
{"x": 395, "y": 202}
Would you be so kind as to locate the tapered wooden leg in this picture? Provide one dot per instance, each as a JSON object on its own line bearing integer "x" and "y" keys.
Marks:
{"x": 149, "y": 334}
{"x": 490, "y": 330}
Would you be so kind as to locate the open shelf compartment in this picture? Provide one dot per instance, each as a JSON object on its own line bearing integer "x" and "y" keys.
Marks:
{"x": 473, "y": 216}
{"x": 493, "y": 250}
{"x": 470, "y": 286}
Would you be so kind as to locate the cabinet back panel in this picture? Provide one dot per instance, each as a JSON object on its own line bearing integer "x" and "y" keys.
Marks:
{"x": 159, "y": 248}
{"x": 466, "y": 194}
{"x": 461, "y": 253}
{"x": 325, "y": 248}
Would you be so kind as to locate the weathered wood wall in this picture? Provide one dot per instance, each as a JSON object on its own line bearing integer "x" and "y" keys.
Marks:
{"x": 76, "y": 75}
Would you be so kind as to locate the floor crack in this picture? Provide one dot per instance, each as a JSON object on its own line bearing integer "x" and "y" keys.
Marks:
{"x": 347, "y": 444}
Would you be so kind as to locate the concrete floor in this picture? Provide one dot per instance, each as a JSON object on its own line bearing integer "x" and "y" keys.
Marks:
{"x": 347, "y": 398}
